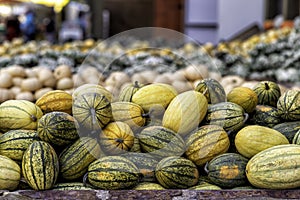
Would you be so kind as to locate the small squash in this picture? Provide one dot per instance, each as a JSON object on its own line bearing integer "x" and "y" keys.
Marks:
{"x": 243, "y": 96}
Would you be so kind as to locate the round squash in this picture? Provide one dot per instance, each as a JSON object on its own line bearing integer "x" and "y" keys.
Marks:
{"x": 243, "y": 96}
{"x": 128, "y": 91}
{"x": 288, "y": 129}
{"x": 288, "y": 105}
{"x": 264, "y": 115}
{"x": 10, "y": 174}
{"x": 267, "y": 93}
{"x": 92, "y": 88}
{"x": 253, "y": 139}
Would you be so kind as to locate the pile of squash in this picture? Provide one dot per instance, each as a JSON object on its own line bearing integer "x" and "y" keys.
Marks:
{"x": 152, "y": 137}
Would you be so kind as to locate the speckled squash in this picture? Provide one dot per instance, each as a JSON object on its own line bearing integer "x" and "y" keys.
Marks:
{"x": 275, "y": 168}
{"x": 264, "y": 115}
{"x": 228, "y": 115}
{"x": 40, "y": 166}
{"x": 212, "y": 90}
{"x": 14, "y": 143}
{"x": 161, "y": 142}
{"x": 253, "y": 139}
{"x": 113, "y": 173}
{"x": 116, "y": 138}
{"x": 267, "y": 92}
{"x": 243, "y": 96}
{"x": 10, "y": 174}
{"x": 57, "y": 128}
{"x": 185, "y": 112}
{"x": 128, "y": 91}
{"x": 227, "y": 170}
{"x": 289, "y": 129}
{"x": 206, "y": 143}
{"x": 92, "y": 88}
{"x": 288, "y": 105}
{"x": 176, "y": 173}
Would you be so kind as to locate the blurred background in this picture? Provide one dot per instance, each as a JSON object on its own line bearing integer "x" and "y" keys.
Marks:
{"x": 204, "y": 20}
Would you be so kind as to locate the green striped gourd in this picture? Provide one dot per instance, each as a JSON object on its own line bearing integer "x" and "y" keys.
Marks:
{"x": 265, "y": 116}
{"x": 116, "y": 138}
{"x": 206, "y": 143}
{"x": 161, "y": 142}
{"x": 71, "y": 186}
{"x": 14, "y": 143}
{"x": 176, "y": 173}
{"x": 205, "y": 186}
{"x": 296, "y": 139}
{"x": 145, "y": 163}
{"x": 92, "y": 111}
{"x": 185, "y": 112}
{"x": 267, "y": 93}
{"x": 128, "y": 91}
{"x": 212, "y": 90}
{"x": 113, "y": 173}
{"x": 148, "y": 186}
{"x": 289, "y": 129}
{"x": 75, "y": 159}
{"x": 19, "y": 114}
{"x": 228, "y": 115}
{"x": 129, "y": 113}
{"x": 40, "y": 166}
{"x": 136, "y": 147}
{"x": 253, "y": 139}
{"x": 57, "y": 128}
{"x": 10, "y": 173}
{"x": 275, "y": 168}
{"x": 288, "y": 105}
{"x": 227, "y": 170}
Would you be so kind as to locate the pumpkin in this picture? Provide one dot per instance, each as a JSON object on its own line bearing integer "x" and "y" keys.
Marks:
{"x": 267, "y": 92}
{"x": 243, "y": 96}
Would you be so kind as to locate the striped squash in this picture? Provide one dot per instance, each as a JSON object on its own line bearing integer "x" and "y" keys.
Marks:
{"x": 275, "y": 168}
{"x": 116, "y": 138}
{"x": 75, "y": 159}
{"x": 176, "y": 173}
{"x": 206, "y": 143}
{"x": 253, "y": 139}
{"x": 92, "y": 111}
{"x": 57, "y": 128}
{"x": 265, "y": 116}
{"x": 129, "y": 113}
{"x": 228, "y": 115}
{"x": 145, "y": 163}
{"x": 227, "y": 170}
{"x": 296, "y": 139}
{"x": 10, "y": 174}
{"x": 148, "y": 186}
{"x": 288, "y": 105}
{"x": 212, "y": 90}
{"x": 55, "y": 100}
{"x": 205, "y": 186}
{"x": 267, "y": 93}
{"x": 289, "y": 129}
{"x": 71, "y": 186}
{"x": 14, "y": 143}
{"x": 161, "y": 142}
{"x": 113, "y": 173}
{"x": 19, "y": 114}
{"x": 94, "y": 89}
{"x": 185, "y": 112}
{"x": 128, "y": 91}
{"x": 40, "y": 166}
{"x": 136, "y": 147}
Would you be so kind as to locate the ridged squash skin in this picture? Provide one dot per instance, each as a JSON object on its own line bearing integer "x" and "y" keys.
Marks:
{"x": 267, "y": 93}
{"x": 206, "y": 143}
{"x": 264, "y": 115}
{"x": 243, "y": 96}
{"x": 288, "y": 105}
{"x": 92, "y": 111}
{"x": 212, "y": 90}
{"x": 253, "y": 139}
{"x": 289, "y": 129}
{"x": 296, "y": 139}
{"x": 113, "y": 173}
{"x": 14, "y": 143}
{"x": 57, "y": 128}
{"x": 228, "y": 115}
{"x": 116, "y": 138}
{"x": 129, "y": 113}
{"x": 40, "y": 166}
{"x": 277, "y": 167}
{"x": 128, "y": 91}
{"x": 55, "y": 100}
{"x": 10, "y": 174}
{"x": 161, "y": 142}
{"x": 176, "y": 173}
{"x": 185, "y": 112}
{"x": 75, "y": 159}
{"x": 19, "y": 114}
{"x": 228, "y": 170}
{"x": 154, "y": 96}
{"x": 92, "y": 88}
